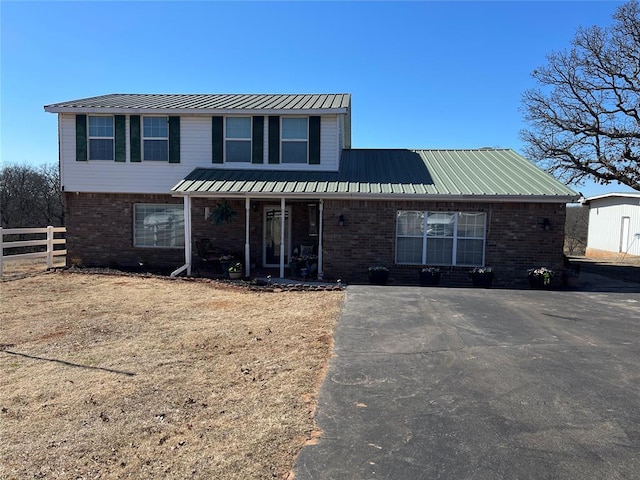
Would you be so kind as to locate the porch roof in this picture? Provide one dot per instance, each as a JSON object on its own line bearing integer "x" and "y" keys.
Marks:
{"x": 484, "y": 174}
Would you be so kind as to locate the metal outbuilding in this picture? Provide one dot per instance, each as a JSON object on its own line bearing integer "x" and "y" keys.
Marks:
{"x": 614, "y": 224}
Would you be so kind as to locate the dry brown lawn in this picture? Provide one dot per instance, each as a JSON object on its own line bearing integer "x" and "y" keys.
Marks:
{"x": 108, "y": 377}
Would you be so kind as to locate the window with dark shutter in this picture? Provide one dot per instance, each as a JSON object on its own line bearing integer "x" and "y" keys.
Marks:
{"x": 135, "y": 145}
{"x": 217, "y": 140}
{"x": 81, "y": 138}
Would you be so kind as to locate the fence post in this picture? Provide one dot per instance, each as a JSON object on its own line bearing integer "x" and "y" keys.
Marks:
{"x": 49, "y": 247}
{"x": 1, "y": 252}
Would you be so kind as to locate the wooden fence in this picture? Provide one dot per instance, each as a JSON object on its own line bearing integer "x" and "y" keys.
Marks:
{"x": 49, "y": 242}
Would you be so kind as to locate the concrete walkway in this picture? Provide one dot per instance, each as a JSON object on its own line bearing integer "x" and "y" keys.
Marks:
{"x": 437, "y": 383}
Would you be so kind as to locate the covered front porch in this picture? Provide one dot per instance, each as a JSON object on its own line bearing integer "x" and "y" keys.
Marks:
{"x": 277, "y": 236}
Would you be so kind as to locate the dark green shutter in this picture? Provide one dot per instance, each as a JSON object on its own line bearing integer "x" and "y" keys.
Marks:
{"x": 314, "y": 140}
{"x": 257, "y": 142}
{"x": 217, "y": 140}
{"x": 274, "y": 139}
{"x": 121, "y": 141}
{"x": 134, "y": 138}
{"x": 81, "y": 138}
{"x": 174, "y": 139}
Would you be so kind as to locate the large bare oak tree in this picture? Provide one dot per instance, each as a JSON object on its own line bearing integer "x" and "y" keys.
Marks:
{"x": 584, "y": 114}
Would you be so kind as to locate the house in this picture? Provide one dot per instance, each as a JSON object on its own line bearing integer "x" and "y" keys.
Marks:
{"x": 614, "y": 225}
{"x": 141, "y": 174}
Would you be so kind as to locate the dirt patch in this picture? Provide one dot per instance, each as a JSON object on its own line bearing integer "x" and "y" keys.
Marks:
{"x": 131, "y": 377}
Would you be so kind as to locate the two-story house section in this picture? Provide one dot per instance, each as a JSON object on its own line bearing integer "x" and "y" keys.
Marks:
{"x": 142, "y": 174}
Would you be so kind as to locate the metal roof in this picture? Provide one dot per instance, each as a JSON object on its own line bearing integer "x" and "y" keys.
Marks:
{"x": 206, "y": 103}
{"x": 393, "y": 174}
{"x": 634, "y": 195}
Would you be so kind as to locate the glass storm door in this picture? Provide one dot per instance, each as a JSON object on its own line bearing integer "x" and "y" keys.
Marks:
{"x": 272, "y": 237}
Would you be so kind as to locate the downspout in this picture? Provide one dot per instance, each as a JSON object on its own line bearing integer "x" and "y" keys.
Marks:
{"x": 247, "y": 261}
{"x": 187, "y": 239}
{"x": 320, "y": 267}
{"x": 282, "y": 224}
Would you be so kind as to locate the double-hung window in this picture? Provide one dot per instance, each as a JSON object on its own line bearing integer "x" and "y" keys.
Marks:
{"x": 238, "y": 139}
{"x": 295, "y": 140}
{"x": 101, "y": 138}
{"x": 440, "y": 238}
{"x": 155, "y": 138}
{"x": 158, "y": 225}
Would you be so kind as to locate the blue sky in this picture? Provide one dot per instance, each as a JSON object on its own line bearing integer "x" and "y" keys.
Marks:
{"x": 421, "y": 74}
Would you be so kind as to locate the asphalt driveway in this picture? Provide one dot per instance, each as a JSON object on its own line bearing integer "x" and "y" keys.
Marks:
{"x": 438, "y": 383}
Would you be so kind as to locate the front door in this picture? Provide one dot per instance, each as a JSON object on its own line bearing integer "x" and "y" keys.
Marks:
{"x": 272, "y": 237}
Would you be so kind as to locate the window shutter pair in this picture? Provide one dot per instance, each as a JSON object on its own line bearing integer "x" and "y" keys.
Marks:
{"x": 217, "y": 140}
{"x": 134, "y": 138}
{"x": 314, "y": 140}
{"x": 82, "y": 138}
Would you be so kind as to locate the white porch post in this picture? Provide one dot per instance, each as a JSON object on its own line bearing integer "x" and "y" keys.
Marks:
{"x": 320, "y": 225}
{"x": 282, "y": 224}
{"x": 187, "y": 233}
{"x": 247, "y": 260}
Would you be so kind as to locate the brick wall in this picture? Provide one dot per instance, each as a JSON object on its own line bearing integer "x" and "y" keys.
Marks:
{"x": 100, "y": 233}
{"x": 515, "y": 240}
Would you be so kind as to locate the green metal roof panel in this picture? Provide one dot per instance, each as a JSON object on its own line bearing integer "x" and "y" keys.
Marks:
{"x": 393, "y": 173}
{"x": 118, "y": 101}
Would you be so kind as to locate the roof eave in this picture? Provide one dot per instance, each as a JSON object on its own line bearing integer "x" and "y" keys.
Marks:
{"x": 387, "y": 197}
{"x": 194, "y": 111}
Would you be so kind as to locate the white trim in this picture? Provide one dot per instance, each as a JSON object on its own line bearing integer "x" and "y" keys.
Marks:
{"x": 320, "y": 228}
{"x": 389, "y": 197}
{"x": 288, "y": 215}
{"x": 143, "y": 138}
{"x": 613, "y": 195}
{"x": 247, "y": 250}
{"x": 293, "y": 140}
{"x": 112, "y": 138}
{"x": 236, "y": 139}
{"x": 192, "y": 111}
{"x": 282, "y": 226}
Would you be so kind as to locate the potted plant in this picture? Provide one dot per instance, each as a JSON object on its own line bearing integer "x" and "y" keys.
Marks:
{"x": 222, "y": 213}
{"x": 378, "y": 275}
{"x": 540, "y": 277}
{"x": 481, "y": 276}
{"x": 235, "y": 271}
{"x": 429, "y": 276}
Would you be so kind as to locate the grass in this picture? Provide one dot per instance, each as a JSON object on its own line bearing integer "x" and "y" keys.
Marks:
{"x": 130, "y": 377}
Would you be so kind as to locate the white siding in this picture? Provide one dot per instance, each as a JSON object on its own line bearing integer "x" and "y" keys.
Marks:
{"x": 605, "y": 224}
{"x": 159, "y": 177}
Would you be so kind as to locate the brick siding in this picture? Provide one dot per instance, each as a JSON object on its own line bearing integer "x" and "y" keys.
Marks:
{"x": 100, "y": 233}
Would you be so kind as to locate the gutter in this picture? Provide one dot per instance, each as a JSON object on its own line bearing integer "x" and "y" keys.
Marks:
{"x": 389, "y": 197}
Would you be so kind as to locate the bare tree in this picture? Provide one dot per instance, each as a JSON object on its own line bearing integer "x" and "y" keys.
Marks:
{"x": 30, "y": 196}
{"x": 584, "y": 113}
{"x": 576, "y": 230}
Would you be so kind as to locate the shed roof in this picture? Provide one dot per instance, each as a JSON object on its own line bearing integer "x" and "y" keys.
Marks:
{"x": 496, "y": 174}
{"x": 634, "y": 195}
{"x": 206, "y": 103}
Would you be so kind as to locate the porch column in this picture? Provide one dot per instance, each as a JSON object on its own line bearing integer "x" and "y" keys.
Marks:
{"x": 282, "y": 224}
{"x": 187, "y": 233}
{"x": 320, "y": 221}
{"x": 247, "y": 260}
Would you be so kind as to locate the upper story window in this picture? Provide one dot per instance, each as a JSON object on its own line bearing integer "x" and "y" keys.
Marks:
{"x": 155, "y": 138}
{"x": 101, "y": 138}
{"x": 440, "y": 238}
{"x": 295, "y": 140}
{"x": 238, "y": 139}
